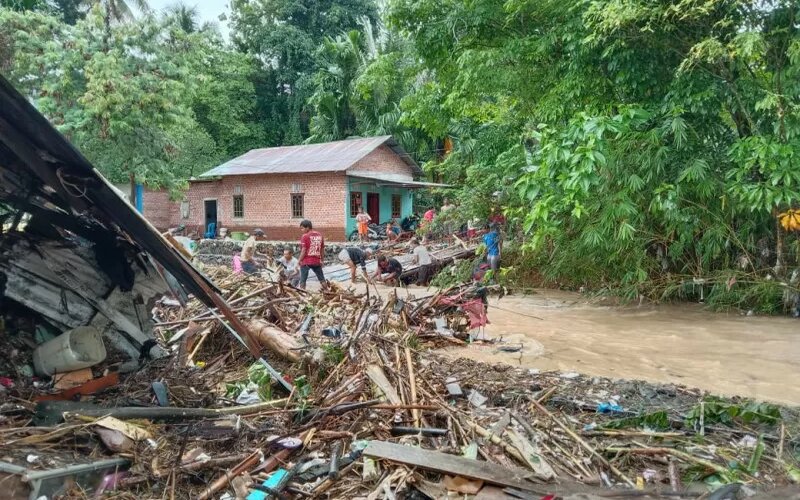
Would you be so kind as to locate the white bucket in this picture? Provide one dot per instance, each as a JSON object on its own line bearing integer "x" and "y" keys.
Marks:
{"x": 75, "y": 349}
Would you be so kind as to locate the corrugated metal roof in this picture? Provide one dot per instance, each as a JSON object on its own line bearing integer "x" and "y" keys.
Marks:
{"x": 387, "y": 181}
{"x": 335, "y": 156}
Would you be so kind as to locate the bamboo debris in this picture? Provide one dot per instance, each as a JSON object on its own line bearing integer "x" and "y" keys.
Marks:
{"x": 360, "y": 374}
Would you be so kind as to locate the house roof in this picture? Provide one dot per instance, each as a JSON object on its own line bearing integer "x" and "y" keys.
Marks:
{"x": 43, "y": 173}
{"x": 335, "y": 156}
{"x": 380, "y": 180}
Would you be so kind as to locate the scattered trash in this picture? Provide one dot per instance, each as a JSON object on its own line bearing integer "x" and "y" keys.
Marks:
{"x": 476, "y": 398}
{"x": 68, "y": 380}
{"x": 75, "y": 349}
{"x": 370, "y": 413}
{"x": 609, "y": 408}
{"x": 453, "y": 389}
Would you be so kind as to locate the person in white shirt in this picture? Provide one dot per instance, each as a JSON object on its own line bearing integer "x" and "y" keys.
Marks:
{"x": 423, "y": 259}
{"x": 291, "y": 267}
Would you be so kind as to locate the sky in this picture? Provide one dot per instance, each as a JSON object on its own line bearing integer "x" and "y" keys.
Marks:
{"x": 208, "y": 10}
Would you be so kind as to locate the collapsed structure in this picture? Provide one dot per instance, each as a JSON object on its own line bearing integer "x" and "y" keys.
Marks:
{"x": 72, "y": 251}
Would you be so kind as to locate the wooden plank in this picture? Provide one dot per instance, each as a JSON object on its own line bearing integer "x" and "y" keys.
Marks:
{"x": 531, "y": 454}
{"x": 453, "y": 465}
{"x": 378, "y": 377}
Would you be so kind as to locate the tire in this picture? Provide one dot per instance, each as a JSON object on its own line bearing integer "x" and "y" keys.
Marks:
{"x": 353, "y": 236}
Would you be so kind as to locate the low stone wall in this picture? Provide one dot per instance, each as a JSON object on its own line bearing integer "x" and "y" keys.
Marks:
{"x": 220, "y": 252}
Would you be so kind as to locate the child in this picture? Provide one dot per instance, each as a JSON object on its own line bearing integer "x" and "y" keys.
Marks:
{"x": 363, "y": 219}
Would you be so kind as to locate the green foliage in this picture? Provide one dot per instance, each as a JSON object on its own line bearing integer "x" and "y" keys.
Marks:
{"x": 285, "y": 35}
{"x": 621, "y": 161}
{"x": 257, "y": 377}
{"x": 658, "y": 420}
{"x": 157, "y": 99}
{"x": 333, "y": 354}
{"x": 715, "y": 411}
{"x": 455, "y": 274}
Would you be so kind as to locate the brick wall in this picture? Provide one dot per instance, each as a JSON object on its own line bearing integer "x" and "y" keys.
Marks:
{"x": 267, "y": 200}
{"x": 267, "y": 204}
{"x": 382, "y": 161}
{"x": 156, "y": 208}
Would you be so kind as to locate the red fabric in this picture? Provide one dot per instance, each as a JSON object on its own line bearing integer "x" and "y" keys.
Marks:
{"x": 475, "y": 309}
{"x": 499, "y": 219}
{"x": 429, "y": 215}
{"x": 476, "y": 312}
{"x": 313, "y": 243}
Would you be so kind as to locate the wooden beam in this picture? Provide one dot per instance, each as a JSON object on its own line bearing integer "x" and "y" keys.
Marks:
{"x": 454, "y": 465}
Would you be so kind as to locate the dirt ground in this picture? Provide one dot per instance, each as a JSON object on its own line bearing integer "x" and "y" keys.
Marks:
{"x": 724, "y": 353}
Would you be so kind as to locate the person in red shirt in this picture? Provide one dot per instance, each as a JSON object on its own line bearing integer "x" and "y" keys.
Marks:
{"x": 312, "y": 246}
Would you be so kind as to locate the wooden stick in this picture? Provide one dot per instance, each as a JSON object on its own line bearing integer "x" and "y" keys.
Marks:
{"x": 583, "y": 443}
{"x": 614, "y": 432}
{"x": 413, "y": 381}
{"x": 205, "y": 335}
{"x": 544, "y": 397}
{"x": 226, "y": 478}
{"x": 669, "y": 451}
{"x": 674, "y": 476}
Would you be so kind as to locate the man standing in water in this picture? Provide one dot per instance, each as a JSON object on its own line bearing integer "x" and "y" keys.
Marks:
{"x": 312, "y": 246}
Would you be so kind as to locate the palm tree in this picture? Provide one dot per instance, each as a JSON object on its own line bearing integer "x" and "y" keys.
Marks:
{"x": 341, "y": 59}
{"x": 120, "y": 10}
{"x": 184, "y": 16}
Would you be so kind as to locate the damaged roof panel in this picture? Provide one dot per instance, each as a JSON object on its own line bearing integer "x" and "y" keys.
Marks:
{"x": 35, "y": 159}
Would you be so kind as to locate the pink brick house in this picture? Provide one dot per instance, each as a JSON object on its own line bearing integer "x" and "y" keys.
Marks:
{"x": 275, "y": 188}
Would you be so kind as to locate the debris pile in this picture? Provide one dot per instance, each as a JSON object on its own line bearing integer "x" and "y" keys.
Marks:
{"x": 352, "y": 404}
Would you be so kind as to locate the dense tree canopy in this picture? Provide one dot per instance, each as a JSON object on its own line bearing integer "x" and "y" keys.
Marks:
{"x": 625, "y": 139}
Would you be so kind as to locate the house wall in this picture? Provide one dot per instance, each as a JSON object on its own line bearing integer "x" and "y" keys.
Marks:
{"x": 267, "y": 204}
{"x": 385, "y": 196}
{"x": 159, "y": 209}
{"x": 385, "y": 162}
{"x": 267, "y": 200}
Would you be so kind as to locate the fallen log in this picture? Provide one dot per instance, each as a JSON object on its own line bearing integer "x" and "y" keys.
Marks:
{"x": 276, "y": 340}
{"x": 53, "y": 412}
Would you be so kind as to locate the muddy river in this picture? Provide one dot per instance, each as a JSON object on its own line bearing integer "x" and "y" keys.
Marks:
{"x": 730, "y": 354}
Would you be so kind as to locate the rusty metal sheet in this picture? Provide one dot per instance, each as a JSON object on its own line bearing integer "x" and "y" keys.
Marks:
{"x": 335, "y": 156}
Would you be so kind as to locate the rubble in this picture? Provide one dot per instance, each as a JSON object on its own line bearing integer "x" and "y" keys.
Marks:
{"x": 374, "y": 412}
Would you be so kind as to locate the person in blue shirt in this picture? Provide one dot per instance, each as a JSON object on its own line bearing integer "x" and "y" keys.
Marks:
{"x": 494, "y": 245}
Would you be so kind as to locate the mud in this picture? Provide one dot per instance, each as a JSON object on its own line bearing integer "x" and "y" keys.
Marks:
{"x": 726, "y": 354}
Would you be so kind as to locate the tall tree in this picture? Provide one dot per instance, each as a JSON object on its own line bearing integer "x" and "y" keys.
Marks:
{"x": 116, "y": 97}
{"x": 632, "y": 136}
{"x": 284, "y": 35}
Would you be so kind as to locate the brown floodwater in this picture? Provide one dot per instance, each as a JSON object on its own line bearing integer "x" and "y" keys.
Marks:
{"x": 727, "y": 354}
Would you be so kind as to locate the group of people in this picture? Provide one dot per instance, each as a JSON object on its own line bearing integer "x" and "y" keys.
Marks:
{"x": 296, "y": 270}
{"x": 293, "y": 269}
{"x": 389, "y": 270}
{"x": 363, "y": 220}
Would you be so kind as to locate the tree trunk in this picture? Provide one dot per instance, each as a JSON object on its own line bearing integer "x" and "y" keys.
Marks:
{"x": 280, "y": 342}
{"x": 132, "y": 179}
{"x": 779, "y": 257}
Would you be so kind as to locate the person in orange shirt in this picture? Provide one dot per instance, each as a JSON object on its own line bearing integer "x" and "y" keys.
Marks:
{"x": 363, "y": 219}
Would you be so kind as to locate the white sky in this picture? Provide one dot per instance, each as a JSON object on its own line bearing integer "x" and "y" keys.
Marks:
{"x": 208, "y": 10}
